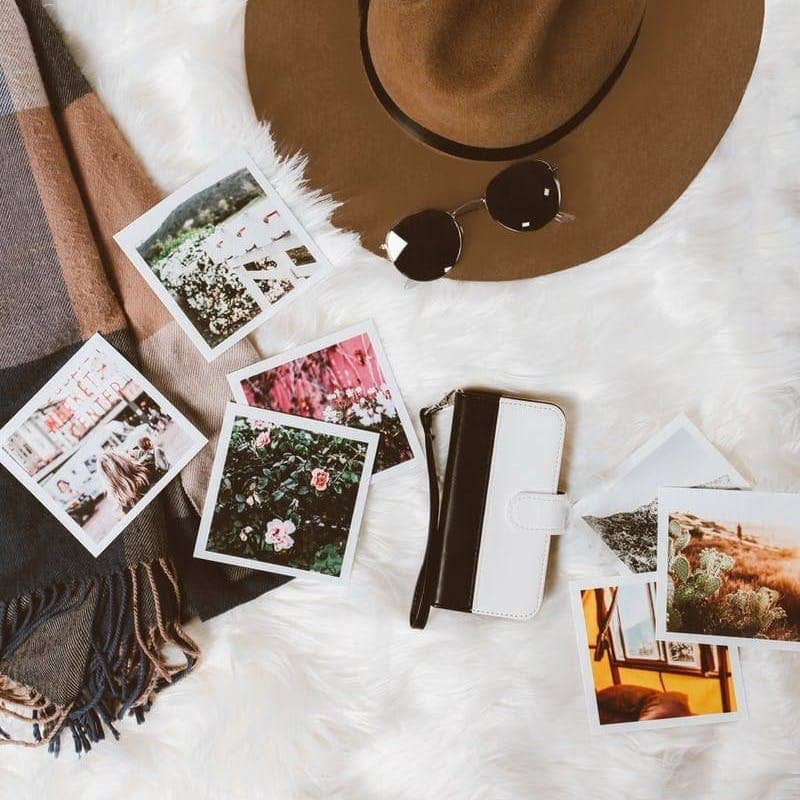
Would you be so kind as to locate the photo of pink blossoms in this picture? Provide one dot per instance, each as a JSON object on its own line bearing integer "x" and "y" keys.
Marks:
{"x": 341, "y": 384}
{"x": 287, "y": 496}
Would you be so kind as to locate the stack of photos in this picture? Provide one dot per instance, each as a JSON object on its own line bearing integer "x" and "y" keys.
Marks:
{"x": 224, "y": 253}
{"x": 97, "y": 443}
{"x": 624, "y": 512}
{"x": 729, "y": 567}
{"x": 632, "y": 678}
{"x": 727, "y": 576}
{"x": 286, "y": 494}
{"x": 345, "y": 379}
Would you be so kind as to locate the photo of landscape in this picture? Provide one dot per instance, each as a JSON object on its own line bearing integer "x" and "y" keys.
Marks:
{"x": 733, "y": 578}
{"x": 624, "y": 512}
{"x": 630, "y": 534}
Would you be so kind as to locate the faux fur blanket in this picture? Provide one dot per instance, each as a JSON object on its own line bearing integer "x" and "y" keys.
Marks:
{"x": 314, "y": 692}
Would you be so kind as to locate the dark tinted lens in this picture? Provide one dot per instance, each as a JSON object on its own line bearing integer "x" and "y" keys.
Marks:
{"x": 524, "y": 197}
{"x": 425, "y": 245}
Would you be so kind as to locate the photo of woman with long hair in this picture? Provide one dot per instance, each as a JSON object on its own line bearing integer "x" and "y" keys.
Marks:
{"x": 97, "y": 443}
{"x": 127, "y": 481}
{"x": 129, "y": 474}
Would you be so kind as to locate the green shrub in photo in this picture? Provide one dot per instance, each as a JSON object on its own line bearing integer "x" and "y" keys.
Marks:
{"x": 287, "y": 496}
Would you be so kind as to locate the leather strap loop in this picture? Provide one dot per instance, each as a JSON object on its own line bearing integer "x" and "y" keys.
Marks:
{"x": 423, "y": 591}
{"x": 538, "y": 512}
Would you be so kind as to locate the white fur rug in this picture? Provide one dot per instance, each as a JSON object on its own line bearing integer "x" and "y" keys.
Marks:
{"x": 313, "y": 692}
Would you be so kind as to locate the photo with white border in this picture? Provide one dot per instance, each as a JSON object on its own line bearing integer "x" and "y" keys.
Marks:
{"x": 729, "y": 567}
{"x": 286, "y": 494}
{"x": 344, "y": 378}
{"x": 632, "y": 679}
{"x": 224, "y": 253}
{"x": 97, "y": 443}
{"x": 623, "y": 511}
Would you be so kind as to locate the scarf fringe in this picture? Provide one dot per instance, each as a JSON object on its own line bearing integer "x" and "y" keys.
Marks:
{"x": 128, "y": 664}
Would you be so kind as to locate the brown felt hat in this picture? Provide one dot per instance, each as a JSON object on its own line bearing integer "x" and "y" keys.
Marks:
{"x": 404, "y": 105}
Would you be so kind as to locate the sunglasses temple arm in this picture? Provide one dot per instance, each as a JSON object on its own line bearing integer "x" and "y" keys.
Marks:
{"x": 470, "y": 205}
{"x": 561, "y": 216}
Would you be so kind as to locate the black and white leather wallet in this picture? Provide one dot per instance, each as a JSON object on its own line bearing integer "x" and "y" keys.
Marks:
{"x": 489, "y": 536}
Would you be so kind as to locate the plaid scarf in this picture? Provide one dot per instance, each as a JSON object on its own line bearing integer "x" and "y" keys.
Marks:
{"x": 83, "y": 640}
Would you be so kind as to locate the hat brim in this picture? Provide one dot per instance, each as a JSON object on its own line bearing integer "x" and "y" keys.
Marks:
{"x": 620, "y": 169}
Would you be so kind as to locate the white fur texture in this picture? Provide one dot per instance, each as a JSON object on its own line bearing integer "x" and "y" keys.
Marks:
{"x": 315, "y": 692}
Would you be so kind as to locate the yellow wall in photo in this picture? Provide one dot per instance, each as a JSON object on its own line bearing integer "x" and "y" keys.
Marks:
{"x": 703, "y": 692}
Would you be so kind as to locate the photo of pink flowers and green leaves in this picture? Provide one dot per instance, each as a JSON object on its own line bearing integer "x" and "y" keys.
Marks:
{"x": 287, "y": 496}
{"x": 342, "y": 384}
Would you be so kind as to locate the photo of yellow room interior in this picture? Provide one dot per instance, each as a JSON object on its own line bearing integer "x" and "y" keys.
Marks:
{"x": 639, "y": 678}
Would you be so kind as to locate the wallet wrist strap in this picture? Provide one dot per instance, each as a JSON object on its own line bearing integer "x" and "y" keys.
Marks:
{"x": 423, "y": 591}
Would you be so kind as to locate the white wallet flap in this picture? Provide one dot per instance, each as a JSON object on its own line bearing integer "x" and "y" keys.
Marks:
{"x": 526, "y": 460}
{"x": 538, "y": 512}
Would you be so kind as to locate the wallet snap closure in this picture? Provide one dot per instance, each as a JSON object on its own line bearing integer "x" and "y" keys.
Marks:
{"x": 538, "y": 512}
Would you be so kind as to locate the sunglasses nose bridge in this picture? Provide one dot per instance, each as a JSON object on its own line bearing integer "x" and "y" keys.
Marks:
{"x": 470, "y": 205}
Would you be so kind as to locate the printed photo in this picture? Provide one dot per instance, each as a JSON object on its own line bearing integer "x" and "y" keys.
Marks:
{"x": 224, "y": 253}
{"x": 97, "y": 444}
{"x": 623, "y": 512}
{"x": 344, "y": 378}
{"x": 286, "y": 494}
{"x": 729, "y": 564}
{"x": 633, "y": 680}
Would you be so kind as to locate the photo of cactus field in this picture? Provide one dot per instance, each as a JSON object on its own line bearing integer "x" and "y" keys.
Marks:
{"x": 733, "y": 578}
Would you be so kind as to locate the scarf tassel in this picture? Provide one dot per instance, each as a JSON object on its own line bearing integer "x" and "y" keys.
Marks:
{"x": 136, "y": 615}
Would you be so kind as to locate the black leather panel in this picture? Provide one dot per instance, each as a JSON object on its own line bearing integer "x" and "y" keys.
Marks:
{"x": 464, "y": 497}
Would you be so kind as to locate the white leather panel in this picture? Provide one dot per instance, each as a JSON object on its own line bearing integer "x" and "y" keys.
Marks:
{"x": 537, "y": 512}
{"x": 512, "y": 563}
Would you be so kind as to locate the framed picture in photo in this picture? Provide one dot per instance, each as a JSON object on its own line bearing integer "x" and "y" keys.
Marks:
{"x": 97, "y": 443}
{"x": 286, "y": 494}
{"x": 684, "y": 654}
{"x": 224, "y": 253}
{"x": 344, "y": 378}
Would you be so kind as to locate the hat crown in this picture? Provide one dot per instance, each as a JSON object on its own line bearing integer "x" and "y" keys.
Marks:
{"x": 497, "y": 73}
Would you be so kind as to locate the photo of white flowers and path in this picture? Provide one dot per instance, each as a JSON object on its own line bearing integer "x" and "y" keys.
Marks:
{"x": 225, "y": 254}
{"x": 212, "y": 296}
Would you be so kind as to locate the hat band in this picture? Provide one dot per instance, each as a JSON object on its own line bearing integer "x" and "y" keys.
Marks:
{"x": 472, "y": 152}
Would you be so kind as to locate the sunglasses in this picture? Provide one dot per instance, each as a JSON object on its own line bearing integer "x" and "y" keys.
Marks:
{"x": 523, "y": 197}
